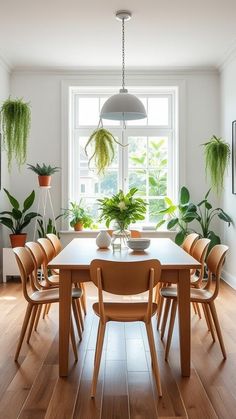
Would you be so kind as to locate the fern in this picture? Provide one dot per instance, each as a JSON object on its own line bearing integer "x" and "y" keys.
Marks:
{"x": 15, "y": 117}
{"x": 217, "y": 154}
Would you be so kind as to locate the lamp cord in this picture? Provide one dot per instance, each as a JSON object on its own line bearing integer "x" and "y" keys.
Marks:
{"x": 123, "y": 53}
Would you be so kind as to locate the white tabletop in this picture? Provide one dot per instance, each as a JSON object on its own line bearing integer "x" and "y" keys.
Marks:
{"x": 79, "y": 253}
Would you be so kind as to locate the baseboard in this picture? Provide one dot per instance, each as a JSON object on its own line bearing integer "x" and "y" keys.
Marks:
{"x": 230, "y": 279}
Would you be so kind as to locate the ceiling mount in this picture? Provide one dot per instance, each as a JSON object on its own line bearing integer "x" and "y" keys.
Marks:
{"x": 123, "y": 15}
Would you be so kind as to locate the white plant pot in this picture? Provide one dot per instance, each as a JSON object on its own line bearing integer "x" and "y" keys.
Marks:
{"x": 103, "y": 239}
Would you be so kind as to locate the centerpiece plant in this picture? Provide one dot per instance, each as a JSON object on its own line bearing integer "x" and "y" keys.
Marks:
{"x": 123, "y": 209}
{"x": 217, "y": 154}
{"x": 15, "y": 121}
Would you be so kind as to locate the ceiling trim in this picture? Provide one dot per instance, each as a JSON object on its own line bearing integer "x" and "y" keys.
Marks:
{"x": 229, "y": 56}
{"x": 5, "y": 64}
{"x": 92, "y": 71}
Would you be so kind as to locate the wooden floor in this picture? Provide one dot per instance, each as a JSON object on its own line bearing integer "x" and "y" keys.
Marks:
{"x": 32, "y": 389}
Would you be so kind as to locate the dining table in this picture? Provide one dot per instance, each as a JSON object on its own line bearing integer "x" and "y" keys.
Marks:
{"x": 74, "y": 261}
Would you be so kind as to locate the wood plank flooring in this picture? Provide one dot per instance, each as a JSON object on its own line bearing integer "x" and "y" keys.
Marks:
{"x": 31, "y": 389}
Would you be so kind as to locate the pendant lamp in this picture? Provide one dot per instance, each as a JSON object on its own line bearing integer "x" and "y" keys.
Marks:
{"x": 123, "y": 106}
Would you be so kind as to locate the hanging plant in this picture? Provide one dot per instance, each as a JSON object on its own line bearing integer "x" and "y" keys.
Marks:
{"x": 103, "y": 146}
{"x": 15, "y": 120}
{"x": 217, "y": 154}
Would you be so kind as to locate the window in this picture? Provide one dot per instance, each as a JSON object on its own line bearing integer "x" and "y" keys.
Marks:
{"x": 148, "y": 160}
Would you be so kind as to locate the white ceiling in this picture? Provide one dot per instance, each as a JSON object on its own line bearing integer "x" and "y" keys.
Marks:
{"x": 74, "y": 33}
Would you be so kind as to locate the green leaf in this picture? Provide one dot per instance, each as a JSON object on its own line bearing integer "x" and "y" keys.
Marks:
{"x": 160, "y": 224}
{"x": 172, "y": 223}
{"x": 179, "y": 238}
{"x": 16, "y": 214}
{"x": 208, "y": 205}
{"x": 168, "y": 201}
{"x": 225, "y": 217}
{"x": 7, "y": 222}
{"x": 29, "y": 201}
{"x": 184, "y": 195}
{"x": 12, "y": 200}
{"x": 214, "y": 240}
{"x": 153, "y": 181}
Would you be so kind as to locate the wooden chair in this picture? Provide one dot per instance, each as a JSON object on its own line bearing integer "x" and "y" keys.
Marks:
{"x": 134, "y": 233}
{"x": 55, "y": 241}
{"x": 199, "y": 253}
{"x": 38, "y": 297}
{"x": 188, "y": 246}
{"x": 49, "y": 254}
{"x": 125, "y": 278}
{"x": 38, "y": 257}
{"x": 189, "y": 242}
{"x": 204, "y": 296}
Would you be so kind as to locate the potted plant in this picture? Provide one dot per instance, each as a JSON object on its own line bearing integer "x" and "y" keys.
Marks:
{"x": 103, "y": 151}
{"x": 217, "y": 154}
{"x": 179, "y": 216}
{"x": 122, "y": 208}
{"x": 47, "y": 227}
{"x": 18, "y": 218}
{"x": 44, "y": 173}
{"x": 79, "y": 216}
{"x": 15, "y": 120}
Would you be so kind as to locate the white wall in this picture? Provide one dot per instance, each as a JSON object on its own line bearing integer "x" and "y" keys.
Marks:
{"x": 4, "y": 93}
{"x": 228, "y": 114}
{"x": 200, "y": 111}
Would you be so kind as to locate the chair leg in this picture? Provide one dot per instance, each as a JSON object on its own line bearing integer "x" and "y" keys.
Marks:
{"x": 165, "y": 316}
{"x": 218, "y": 329}
{"x": 154, "y": 357}
{"x": 78, "y": 303}
{"x": 207, "y": 308}
{"x": 48, "y": 308}
{"x": 73, "y": 341}
{"x": 206, "y": 316}
{"x": 38, "y": 317}
{"x": 159, "y": 311}
{"x": 194, "y": 308}
{"x": 83, "y": 299}
{"x": 74, "y": 308}
{"x": 34, "y": 312}
{"x": 100, "y": 339}
{"x": 45, "y": 310}
{"x": 198, "y": 311}
{"x": 23, "y": 329}
{"x": 171, "y": 327}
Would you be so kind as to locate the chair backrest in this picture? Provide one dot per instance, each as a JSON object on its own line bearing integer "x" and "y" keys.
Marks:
{"x": 214, "y": 262}
{"x": 125, "y": 278}
{"x": 56, "y": 242}
{"x": 199, "y": 253}
{"x": 26, "y": 266}
{"x": 133, "y": 233}
{"x": 189, "y": 242}
{"x": 47, "y": 248}
{"x": 36, "y": 253}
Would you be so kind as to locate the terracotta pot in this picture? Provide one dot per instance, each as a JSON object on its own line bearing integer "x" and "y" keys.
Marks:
{"x": 44, "y": 180}
{"x": 18, "y": 240}
{"x": 78, "y": 226}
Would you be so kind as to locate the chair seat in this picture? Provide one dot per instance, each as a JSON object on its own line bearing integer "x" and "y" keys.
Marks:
{"x": 196, "y": 295}
{"x": 52, "y": 295}
{"x": 54, "y": 279}
{"x": 125, "y": 312}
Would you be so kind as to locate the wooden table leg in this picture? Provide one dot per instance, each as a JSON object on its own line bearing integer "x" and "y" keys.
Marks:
{"x": 64, "y": 320}
{"x": 184, "y": 321}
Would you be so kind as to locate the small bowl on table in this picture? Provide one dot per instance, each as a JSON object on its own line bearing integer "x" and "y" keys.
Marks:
{"x": 138, "y": 244}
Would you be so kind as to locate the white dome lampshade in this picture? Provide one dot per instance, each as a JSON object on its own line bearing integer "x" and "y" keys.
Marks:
{"x": 123, "y": 107}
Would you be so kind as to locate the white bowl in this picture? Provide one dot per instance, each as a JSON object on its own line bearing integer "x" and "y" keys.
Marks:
{"x": 138, "y": 244}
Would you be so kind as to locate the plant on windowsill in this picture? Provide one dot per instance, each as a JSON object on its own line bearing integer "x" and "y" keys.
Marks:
{"x": 44, "y": 173}
{"x": 217, "y": 154}
{"x": 179, "y": 216}
{"x": 124, "y": 209}
{"x": 79, "y": 216}
{"x": 18, "y": 218}
{"x": 102, "y": 144}
{"x": 15, "y": 120}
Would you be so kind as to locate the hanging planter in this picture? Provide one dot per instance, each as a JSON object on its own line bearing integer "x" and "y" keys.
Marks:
{"x": 217, "y": 154}
{"x": 102, "y": 142}
{"x": 15, "y": 120}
